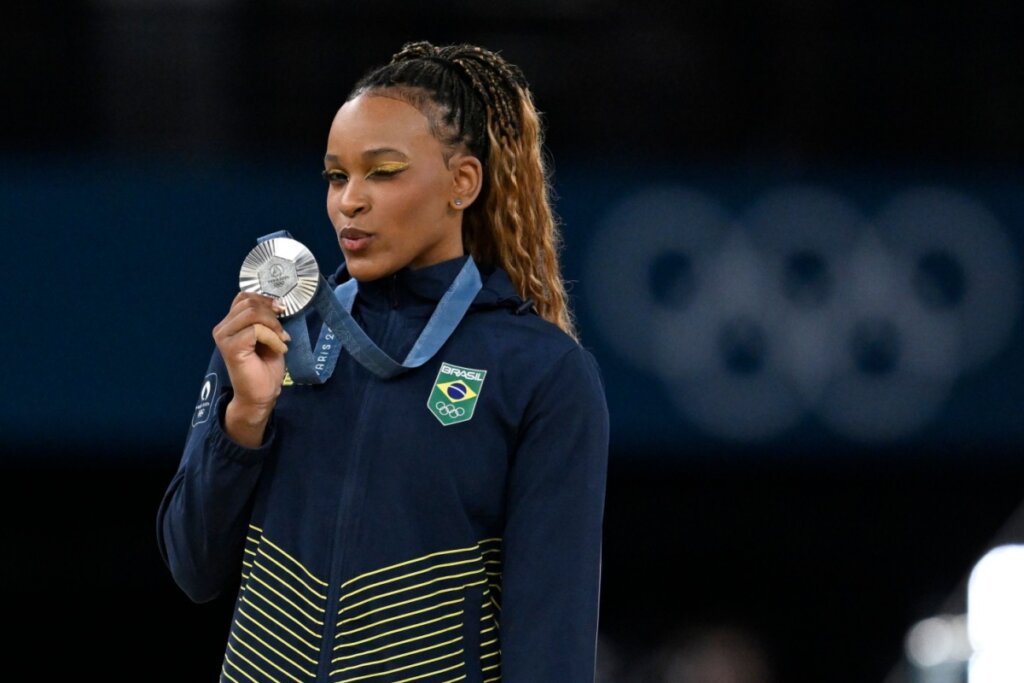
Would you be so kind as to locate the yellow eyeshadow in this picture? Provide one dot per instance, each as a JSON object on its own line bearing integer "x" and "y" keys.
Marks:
{"x": 391, "y": 167}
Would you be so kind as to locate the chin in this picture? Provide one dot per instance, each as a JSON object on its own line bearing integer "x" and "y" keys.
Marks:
{"x": 366, "y": 270}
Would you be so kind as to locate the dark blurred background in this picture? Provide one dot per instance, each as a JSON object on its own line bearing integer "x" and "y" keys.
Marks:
{"x": 793, "y": 238}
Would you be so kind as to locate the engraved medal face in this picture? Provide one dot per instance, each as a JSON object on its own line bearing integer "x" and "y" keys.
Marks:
{"x": 284, "y": 269}
{"x": 277, "y": 276}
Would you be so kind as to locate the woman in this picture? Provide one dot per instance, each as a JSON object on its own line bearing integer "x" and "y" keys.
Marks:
{"x": 443, "y": 524}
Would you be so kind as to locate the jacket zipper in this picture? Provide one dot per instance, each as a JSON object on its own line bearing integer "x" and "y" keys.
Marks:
{"x": 336, "y": 544}
{"x": 343, "y": 526}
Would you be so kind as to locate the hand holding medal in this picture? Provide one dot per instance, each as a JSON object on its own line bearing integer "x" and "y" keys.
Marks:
{"x": 277, "y": 279}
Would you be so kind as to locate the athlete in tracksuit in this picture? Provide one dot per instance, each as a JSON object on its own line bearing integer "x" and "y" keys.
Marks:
{"x": 443, "y": 524}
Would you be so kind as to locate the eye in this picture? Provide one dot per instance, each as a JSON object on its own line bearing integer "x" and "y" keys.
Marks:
{"x": 333, "y": 176}
{"x": 387, "y": 170}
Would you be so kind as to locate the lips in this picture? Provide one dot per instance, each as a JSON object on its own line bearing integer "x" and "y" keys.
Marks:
{"x": 353, "y": 233}
{"x": 354, "y": 239}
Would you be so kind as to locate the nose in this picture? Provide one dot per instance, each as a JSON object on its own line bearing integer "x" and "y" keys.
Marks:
{"x": 351, "y": 200}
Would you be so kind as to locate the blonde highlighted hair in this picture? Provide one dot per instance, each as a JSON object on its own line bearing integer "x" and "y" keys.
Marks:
{"x": 477, "y": 100}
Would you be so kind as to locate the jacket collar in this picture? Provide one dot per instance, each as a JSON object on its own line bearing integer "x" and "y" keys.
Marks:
{"x": 412, "y": 288}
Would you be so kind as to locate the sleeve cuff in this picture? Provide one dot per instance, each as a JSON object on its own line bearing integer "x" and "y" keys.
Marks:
{"x": 225, "y": 446}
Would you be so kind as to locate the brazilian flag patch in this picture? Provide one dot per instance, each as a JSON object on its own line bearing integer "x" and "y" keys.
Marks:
{"x": 456, "y": 389}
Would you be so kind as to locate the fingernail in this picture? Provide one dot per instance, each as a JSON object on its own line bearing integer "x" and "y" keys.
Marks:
{"x": 287, "y": 337}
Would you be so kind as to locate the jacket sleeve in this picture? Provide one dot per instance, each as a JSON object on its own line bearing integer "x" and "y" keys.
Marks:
{"x": 552, "y": 538}
{"x": 203, "y": 519}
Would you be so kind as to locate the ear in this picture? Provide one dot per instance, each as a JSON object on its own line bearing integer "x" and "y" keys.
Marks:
{"x": 467, "y": 180}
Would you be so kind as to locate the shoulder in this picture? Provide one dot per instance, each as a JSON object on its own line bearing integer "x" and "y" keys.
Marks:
{"x": 538, "y": 357}
{"x": 499, "y": 307}
{"x": 522, "y": 339}
{"x": 533, "y": 355}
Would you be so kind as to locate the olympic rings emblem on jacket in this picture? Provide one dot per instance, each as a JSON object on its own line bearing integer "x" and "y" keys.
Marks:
{"x": 449, "y": 410}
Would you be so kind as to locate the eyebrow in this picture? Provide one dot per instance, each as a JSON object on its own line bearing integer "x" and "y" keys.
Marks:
{"x": 375, "y": 152}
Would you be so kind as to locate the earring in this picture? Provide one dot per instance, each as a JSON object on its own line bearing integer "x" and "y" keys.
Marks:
{"x": 458, "y": 202}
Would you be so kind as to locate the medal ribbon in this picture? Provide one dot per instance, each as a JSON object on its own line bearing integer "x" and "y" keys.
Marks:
{"x": 340, "y": 330}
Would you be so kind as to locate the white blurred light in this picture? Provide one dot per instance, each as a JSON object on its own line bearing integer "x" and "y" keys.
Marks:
{"x": 995, "y": 616}
{"x": 938, "y": 640}
{"x": 989, "y": 667}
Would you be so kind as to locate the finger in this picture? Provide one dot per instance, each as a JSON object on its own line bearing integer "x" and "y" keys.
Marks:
{"x": 244, "y": 300}
{"x": 246, "y": 313}
{"x": 256, "y": 296}
{"x": 269, "y": 338}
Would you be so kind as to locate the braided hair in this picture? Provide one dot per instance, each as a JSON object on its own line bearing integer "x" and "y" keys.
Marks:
{"x": 477, "y": 101}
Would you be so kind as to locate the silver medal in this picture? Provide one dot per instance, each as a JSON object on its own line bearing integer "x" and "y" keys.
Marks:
{"x": 284, "y": 269}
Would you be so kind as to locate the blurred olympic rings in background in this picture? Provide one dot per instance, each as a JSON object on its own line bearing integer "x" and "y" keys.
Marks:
{"x": 803, "y": 306}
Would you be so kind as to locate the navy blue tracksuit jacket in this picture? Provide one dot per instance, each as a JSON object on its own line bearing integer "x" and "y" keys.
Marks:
{"x": 375, "y": 542}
